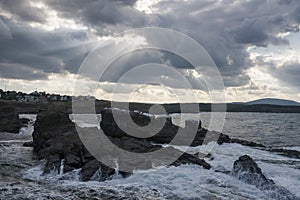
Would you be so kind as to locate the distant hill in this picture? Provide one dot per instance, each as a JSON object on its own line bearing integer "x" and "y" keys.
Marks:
{"x": 272, "y": 101}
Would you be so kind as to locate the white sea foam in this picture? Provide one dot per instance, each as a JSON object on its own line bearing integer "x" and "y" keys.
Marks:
{"x": 28, "y": 130}
{"x": 190, "y": 181}
{"x": 86, "y": 120}
{"x": 89, "y": 120}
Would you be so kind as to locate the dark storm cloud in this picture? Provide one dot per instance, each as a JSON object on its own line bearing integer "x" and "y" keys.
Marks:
{"x": 251, "y": 31}
{"x": 224, "y": 28}
{"x": 288, "y": 73}
{"x": 227, "y": 28}
{"x": 36, "y": 49}
{"x": 132, "y": 66}
{"x": 105, "y": 16}
{"x": 137, "y": 58}
{"x": 22, "y": 10}
{"x": 5, "y": 33}
{"x": 17, "y": 71}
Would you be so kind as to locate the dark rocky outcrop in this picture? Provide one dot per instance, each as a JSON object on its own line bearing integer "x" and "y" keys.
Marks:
{"x": 191, "y": 159}
{"x": 163, "y": 136}
{"x": 95, "y": 170}
{"x": 24, "y": 122}
{"x": 55, "y": 139}
{"x": 111, "y": 128}
{"x": 9, "y": 120}
{"x": 286, "y": 152}
{"x": 28, "y": 144}
{"x": 247, "y": 170}
{"x": 9, "y": 115}
{"x": 246, "y": 143}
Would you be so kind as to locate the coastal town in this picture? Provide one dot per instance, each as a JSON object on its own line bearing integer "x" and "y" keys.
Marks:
{"x": 38, "y": 97}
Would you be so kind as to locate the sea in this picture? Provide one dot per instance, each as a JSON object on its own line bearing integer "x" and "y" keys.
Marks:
{"x": 21, "y": 175}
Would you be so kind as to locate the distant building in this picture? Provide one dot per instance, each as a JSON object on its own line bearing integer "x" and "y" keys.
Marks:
{"x": 42, "y": 99}
{"x": 53, "y": 98}
{"x": 29, "y": 98}
{"x": 63, "y": 98}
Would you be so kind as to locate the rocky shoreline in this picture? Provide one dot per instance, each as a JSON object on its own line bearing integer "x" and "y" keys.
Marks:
{"x": 55, "y": 139}
{"x": 9, "y": 111}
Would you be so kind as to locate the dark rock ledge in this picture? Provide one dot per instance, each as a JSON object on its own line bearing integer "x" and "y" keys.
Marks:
{"x": 9, "y": 115}
{"x": 247, "y": 170}
{"x": 55, "y": 139}
{"x": 9, "y": 120}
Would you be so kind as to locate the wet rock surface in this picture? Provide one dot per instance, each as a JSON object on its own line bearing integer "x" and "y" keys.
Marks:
{"x": 197, "y": 134}
{"x": 28, "y": 144}
{"x": 246, "y": 143}
{"x": 55, "y": 139}
{"x": 9, "y": 120}
{"x": 247, "y": 170}
{"x": 286, "y": 152}
{"x": 9, "y": 115}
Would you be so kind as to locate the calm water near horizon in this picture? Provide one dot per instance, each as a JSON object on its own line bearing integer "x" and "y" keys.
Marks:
{"x": 272, "y": 129}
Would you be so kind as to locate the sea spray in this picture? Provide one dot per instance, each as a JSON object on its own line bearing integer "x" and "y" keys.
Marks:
{"x": 62, "y": 165}
{"x": 29, "y": 128}
{"x": 117, "y": 174}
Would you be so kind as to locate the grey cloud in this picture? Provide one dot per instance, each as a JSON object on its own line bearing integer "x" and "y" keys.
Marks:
{"x": 105, "y": 16}
{"x": 288, "y": 73}
{"x": 18, "y": 71}
{"x": 236, "y": 81}
{"x": 292, "y": 28}
{"x": 21, "y": 9}
{"x": 251, "y": 31}
{"x": 129, "y": 61}
{"x": 227, "y": 28}
{"x": 50, "y": 52}
{"x": 224, "y": 28}
{"x": 5, "y": 33}
{"x": 296, "y": 14}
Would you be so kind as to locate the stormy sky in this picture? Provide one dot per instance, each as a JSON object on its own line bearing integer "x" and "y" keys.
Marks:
{"x": 255, "y": 44}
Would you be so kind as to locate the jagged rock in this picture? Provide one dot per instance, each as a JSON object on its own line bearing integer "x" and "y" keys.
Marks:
{"x": 135, "y": 145}
{"x": 55, "y": 138}
{"x": 28, "y": 144}
{"x": 9, "y": 115}
{"x": 72, "y": 160}
{"x": 163, "y": 136}
{"x": 95, "y": 170}
{"x": 247, "y": 170}
{"x": 221, "y": 169}
{"x": 191, "y": 159}
{"x": 53, "y": 127}
{"x": 287, "y": 153}
{"x": 224, "y": 139}
{"x": 9, "y": 120}
{"x": 24, "y": 121}
{"x": 246, "y": 143}
{"x": 53, "y": 163}
{"x": 111, "y": 128}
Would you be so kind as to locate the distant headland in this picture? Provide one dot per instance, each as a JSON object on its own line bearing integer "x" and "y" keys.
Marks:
{"x": 269, "y": 105}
